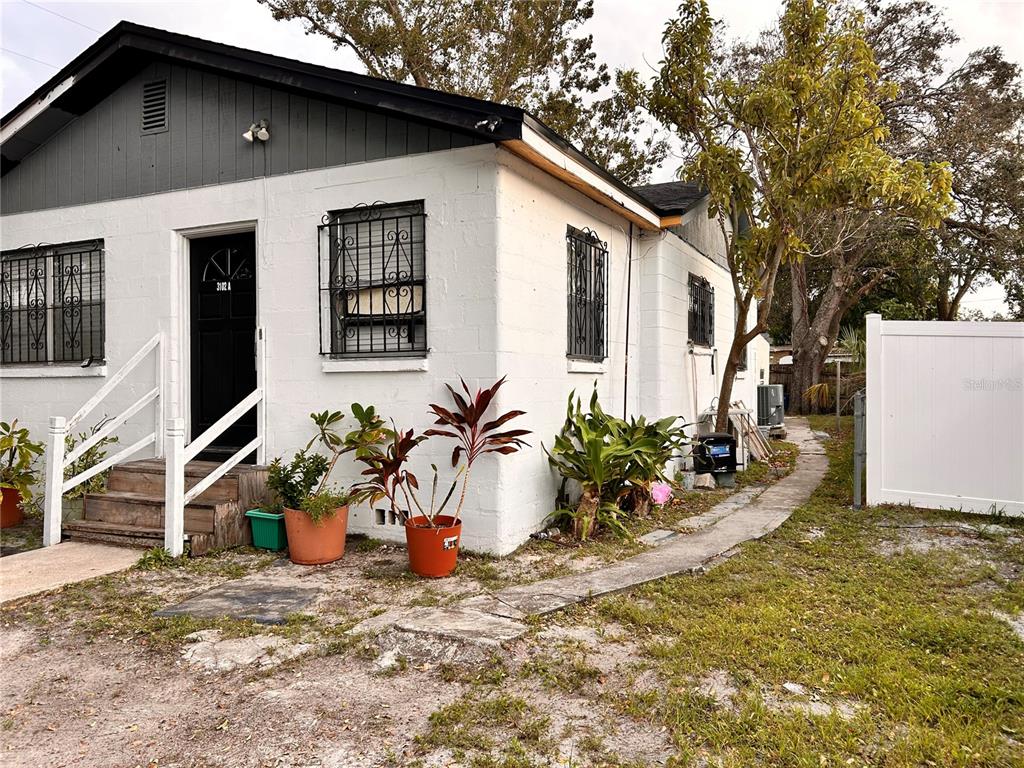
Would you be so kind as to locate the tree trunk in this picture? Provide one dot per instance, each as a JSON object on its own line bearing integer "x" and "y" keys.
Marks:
{"x": 813, "y": 339}
{"x": 943, "y": 306}
{"x": 807, "y": 368}
{"x": 728, "y": 378}
{"x": 741, "y": 336}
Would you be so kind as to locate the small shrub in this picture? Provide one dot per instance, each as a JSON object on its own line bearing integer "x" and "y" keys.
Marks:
{"x": 323, "y": 505}
{"x": 93, "y": 456}
{"x": 294, "y": 481}
{"x": 613, "y": 461}
{"x": 156, "y": 559}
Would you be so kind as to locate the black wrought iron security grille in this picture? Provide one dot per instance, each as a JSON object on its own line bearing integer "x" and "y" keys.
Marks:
{"x": 373, "y": 281}
{"x": 702, "y": 312}
{"x": 587, "y": 294}
{"x": 52, "y": 303}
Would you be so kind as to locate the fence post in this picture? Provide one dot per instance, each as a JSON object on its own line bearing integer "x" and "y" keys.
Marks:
{"x": 839, "y": 381}
{"x": 174, "y": 488}
{"x": 53, "y": 488}
{"x": 874, "y": 409}
{"x": 858, "y": 448}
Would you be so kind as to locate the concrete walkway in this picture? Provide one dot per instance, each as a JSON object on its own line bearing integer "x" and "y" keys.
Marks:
{"x": 492, "y": 619}
{"x": 40, "y": 570}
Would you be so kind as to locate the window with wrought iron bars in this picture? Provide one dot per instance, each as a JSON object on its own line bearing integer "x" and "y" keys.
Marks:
{"x": 52, "y": 304}
{"x": 702, "y": 312}
{"x": 587, "y": 294}
{"x": 373, "y": 281}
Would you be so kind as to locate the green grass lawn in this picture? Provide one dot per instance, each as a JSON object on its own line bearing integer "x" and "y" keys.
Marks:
{"x": 903, "y": 640}
{"x": 890, "y": 620}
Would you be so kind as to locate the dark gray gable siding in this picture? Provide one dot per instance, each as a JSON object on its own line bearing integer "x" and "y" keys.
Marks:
{"x": 103, "y": 154}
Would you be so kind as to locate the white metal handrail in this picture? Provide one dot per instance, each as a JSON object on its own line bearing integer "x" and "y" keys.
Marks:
{"x": 179, "y": 455}
{"x": 215, "y": 430}
{"x": 58, "y": 459}
{"x": 223, "y": 469}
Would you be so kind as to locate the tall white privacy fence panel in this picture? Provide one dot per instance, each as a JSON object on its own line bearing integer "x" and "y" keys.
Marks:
{"x": 945, "y": 415}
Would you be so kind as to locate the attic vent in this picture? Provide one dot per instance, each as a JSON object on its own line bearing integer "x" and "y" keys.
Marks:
{"x": 154, "y": 106}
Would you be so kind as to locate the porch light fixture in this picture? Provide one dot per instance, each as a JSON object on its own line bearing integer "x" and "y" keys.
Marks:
{"x": 258, "y": 130}
{"x": 491, "y": 123}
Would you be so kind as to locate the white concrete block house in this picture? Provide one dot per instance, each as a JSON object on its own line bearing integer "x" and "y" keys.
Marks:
{"x": 381, "y": 241}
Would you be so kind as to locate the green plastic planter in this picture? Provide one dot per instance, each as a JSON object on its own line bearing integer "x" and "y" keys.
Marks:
{"x": 268, "y": 529}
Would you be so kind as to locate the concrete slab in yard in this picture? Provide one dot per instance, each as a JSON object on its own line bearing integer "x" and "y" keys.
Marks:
{"x": 253, "y": 599}
{"x": 454, "y": 623}
{"x": 207, "y": 650}
{"x": 656, "y": 537}
{"x": 40, "y": 570}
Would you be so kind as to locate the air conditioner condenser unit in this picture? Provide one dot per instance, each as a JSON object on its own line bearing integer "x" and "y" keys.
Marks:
{"x": 770, "y": 409}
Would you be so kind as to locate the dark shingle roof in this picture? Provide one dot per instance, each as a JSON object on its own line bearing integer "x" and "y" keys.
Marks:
{"x": 107, "y": 62}
{"x": 672, "y": 197}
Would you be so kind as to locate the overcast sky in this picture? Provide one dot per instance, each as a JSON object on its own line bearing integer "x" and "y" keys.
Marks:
{"x": 38, "y": 37}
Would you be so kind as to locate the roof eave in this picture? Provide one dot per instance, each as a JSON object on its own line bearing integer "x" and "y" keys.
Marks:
{"x": 474, "y": 116}
{"x": 514, "y": 128}
{"x": 561, "y": 160}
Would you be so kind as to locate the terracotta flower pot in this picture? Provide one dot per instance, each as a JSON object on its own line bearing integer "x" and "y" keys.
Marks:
{"x": 433, "y": 551}
{"x": 312, "y": 543}
{"x": 11, "y": 513}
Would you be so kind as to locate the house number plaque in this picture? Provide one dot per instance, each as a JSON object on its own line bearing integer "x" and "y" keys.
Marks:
{"x": 224, "y": 285}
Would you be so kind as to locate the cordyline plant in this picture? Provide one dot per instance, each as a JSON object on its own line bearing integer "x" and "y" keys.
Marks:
{"x": 385, "y": 473}
{"x": 386, "y": 477}
{"x": 474, "y": 437}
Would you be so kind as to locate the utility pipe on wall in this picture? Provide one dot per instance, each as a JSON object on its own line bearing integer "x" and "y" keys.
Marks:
{"x": 629, "y": 294}
{"x": 694, "y": 353}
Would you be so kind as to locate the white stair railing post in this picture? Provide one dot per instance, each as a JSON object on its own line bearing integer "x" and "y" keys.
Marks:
{"x": 174, "y": 488}
{"x": 161, "y": 401}
{"x": 53, "y": 502}
{"x": 261, "y": 406}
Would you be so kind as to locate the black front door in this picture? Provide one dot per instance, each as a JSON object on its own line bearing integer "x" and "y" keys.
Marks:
{"x": 223, "y": 323}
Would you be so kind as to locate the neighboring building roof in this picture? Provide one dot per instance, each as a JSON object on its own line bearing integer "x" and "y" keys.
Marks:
{"x": 673, "y": 198}
{"x": 108, "y": 62}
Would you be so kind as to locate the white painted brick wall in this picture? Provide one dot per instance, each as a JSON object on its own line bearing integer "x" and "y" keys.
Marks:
{"x": 143, "y": 247}
{"x": 496, "y": 297}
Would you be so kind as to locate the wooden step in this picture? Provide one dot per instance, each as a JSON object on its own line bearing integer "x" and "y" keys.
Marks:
{"x": 243, "y": 483}
{"x": 207, "y": 523}
{"x": 130, "y": 536}
{"x": 192, "y": 469}
{"x": 149, "y": 479}
{"x": 112, "y": 533}
{"x": 131, "y": 511}
{"x": 141, "y": 510}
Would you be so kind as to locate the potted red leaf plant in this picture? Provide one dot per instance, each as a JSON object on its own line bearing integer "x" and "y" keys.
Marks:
{"x": 432, "y": 537}
{"x": 438, "y": 535}
{"x": 387, "y": 478}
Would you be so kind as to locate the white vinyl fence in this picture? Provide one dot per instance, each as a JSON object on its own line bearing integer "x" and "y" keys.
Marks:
{"x": 945, "y": 415}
